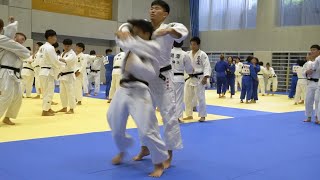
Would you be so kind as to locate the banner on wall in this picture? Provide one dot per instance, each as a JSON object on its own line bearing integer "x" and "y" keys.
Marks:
{"x": 101, "y": 9}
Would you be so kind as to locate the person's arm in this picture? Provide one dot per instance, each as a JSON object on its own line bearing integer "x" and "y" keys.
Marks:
{"x": 188, "y": 64}
{"x": 253, "y": 73}
{"x": 233, "y": 69}
{"x": 70, "y": 59}
{"x": 176, "y": 30}
{"x": 14, "y": 47}
{"x": 206, "y": 68}
{"x": 11, "y": 29}
{"x": 52, "y": 56}
{"x": 83, "y": 65}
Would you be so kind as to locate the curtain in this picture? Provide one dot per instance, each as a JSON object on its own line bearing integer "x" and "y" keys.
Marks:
{"x": 227, "y": 14}
{"x": 299, "y": 12}
{"x": 194, "y": 16}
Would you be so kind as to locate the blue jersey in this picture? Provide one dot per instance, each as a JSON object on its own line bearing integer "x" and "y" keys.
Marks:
{"x": 109, "y": 64}
{"x": 221, "y": 68}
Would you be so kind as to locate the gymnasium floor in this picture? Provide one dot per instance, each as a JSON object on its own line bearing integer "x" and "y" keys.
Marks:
{"x": 263, "y": 141}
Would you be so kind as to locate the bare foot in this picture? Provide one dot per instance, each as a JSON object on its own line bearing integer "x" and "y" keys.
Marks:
{"x": 247, "y": 102}
{"x": 307, "y": 120}
{"x": 118, "y": 159}
{"x": 317, "y": 122}
{"x": 158, "y": 171}
{"x": 47, "y": 113}
{"x": 157, "y": 109}
{"x": 7, "y": 121}
{"x": 143, "y": 152}
{"x": 301, "y": 102}
{"x": 202, "y": 119}
{"x": 95, "y": 94}
{"x": 79, "y": 103}
{"x": 167, "y": 163}
{"x": 188, "y": 118}
{"x": 295, "y": 104}
{"x": 63, "y": 110}
{"x": 87, "y": 94}
{"x": 241, "y": 101}
{"x": 70, "y": 111}
{"x": 36, "y": 97}
{"x": 52, "y": 111}
{"x": 109, "y": 101}
{"x": 262, "y": 95}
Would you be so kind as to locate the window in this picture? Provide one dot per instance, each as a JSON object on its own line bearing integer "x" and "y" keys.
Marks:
{"x": 299, "y": 12}
{"x": 227, "y": 14}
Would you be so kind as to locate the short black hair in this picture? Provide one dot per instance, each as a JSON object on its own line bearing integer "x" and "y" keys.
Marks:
{"x": 301, "y": 62}
{"x": 268, "y": 64}
{"x": 58, "y": 52}
{"x": 55, "y": 45}
{"x": 261, "y": 63}
{"x": 178, "y": 45}
{"x": 39, "y": 43}
{"x": 49, "y": 33}
{"x": 196, "y": 39}
{"x": 249, "y": 58}
{"x": 67, "y": 42}
{"x": 29, "y": 48}
{"x": 108, "y": 50}
{"x": 81, "y": 45}
{"x": 92, "y": 52}
{"x": 144, "y": 25}
{"x": 236, "y": 57}
{"x": 165, "y": 6}
{"x": 1, "y": 24}
{"x": 21, "y": 34}
{"x": 315, "y": 46}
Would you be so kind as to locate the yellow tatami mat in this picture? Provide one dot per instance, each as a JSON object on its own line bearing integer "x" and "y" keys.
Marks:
{"x": 89, "y": 117}
{"x": 276, "y": 104}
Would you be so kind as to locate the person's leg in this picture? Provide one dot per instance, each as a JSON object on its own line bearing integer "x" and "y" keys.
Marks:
{"x": 71, "y": 95}
{"x": 179, "y": 87}
{"x": 108, "y": 84}
{"x": 78, "y": 89}
{"x": 97, "y": 83}
{"x": 64, "y": 96}
{"x": 113, "y": 86}
{"x": 232, "y": 85}
{"x": 188, "y": 101}
{"x": 29, "y": 86}
{"x": 293, "y": 86}
{"x": 47, "y": 86}
{"x": 297, "y": 94}
{"x": 201, "y": 94}
{"x": 15, "y": 105}
{"x": 224, "y": 85}
{"x": 219, "y": 86}
{"x": 310, "y": 100}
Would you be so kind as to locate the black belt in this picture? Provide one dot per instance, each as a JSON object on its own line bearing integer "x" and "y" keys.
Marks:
{"x": 294, "y": 75}
{"x": 28, "y": 68}
{"x": 131, "y": 78}
{"x": 94, "y": 71}
{"x": 166, "y": 68}
{"x": 193, "y": 75}
{"x": 88, "y": 68}
{"x": 15, "y": 70}
{"x": 116, "y": 67}
{"x": 66, "y": 73}
{"x": 45, "y": 67}
{"x": 178, "y": 74}
{"x": 246, "y": 75}
{"x": 260, "y": 74}
{"x": 314, "y": 80}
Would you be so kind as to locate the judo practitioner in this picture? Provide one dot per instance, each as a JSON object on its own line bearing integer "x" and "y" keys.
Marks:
{"x": 139, "y": 68}
{"x": 80, "y": 72}
{"x": 27, "y": 74}
{"x": 255, "y": 84}
{"x": 36, "y": 68}
{"x": 181, "y": 62}
{"x": 108, "y": 65}
{"x": 237, "y": 73}
{"x": 221, "y": 69}
{"x": 301, "y": 84}
{"x": 195, "y": 86}
{"x": 294, "y": 80}
{"x": 261, "y": 74}
{"x": 116, "y": 74}
{"x": 162, "y": 88}
{"x": 11, "y": 53}
{"x": 49, "y": 64}
{"x": 272, "y": 79}
{"x": 231, "y": 76}
{"x": 96, "y": 64}
{"x": 67, "y": 78}
{"x": 249, "y": 75}
{"x": 312, "y": 70}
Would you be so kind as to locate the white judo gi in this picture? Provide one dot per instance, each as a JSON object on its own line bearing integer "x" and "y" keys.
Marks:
{"x": 194, "y": 87}
{"x": 81, "y": 65}
{"x": 116, "y": 73}
{"x": 272, "y": 79}
{"x": 238, "y": 75}
{"x": 262, "y": 85}
{"x": 27, "y": 74}
{"x": 312, "y": 93}
{"x": 134, "y": 98}
{"x": 49, "y": 64}
{"x": 301, "y": 85}
{"x": 36, "y": 67}
{"x": 67, "y": 80}
{"x": 11, "y": 54}
{"x": 180, "y": 62}
{"x": 94, "y": 75}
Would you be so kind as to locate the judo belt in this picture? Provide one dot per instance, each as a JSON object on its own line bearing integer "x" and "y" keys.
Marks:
{"x": 37, "y": 66}
{"x": 15, "y": 70}
{"x": 88, "y": 68}
{"x": 178, "y": 74}
{"x": 260, "y": 74}
{"x": 193, "y": 75}
{"x": 66, "y": 73}
{"x": 95, "y": 71}
{"x": 164, "y": 69}
{"x": 131, "y": 78}
{"x": 116, "y": 67}
{"x": 294, "y": 75}
{"x": 302, "y": 78}
{"x": 45, "y": 67}
{"x": 314, "y": 80}
{"x": 28, "y": 68}
{"x": 272, "y": 77}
